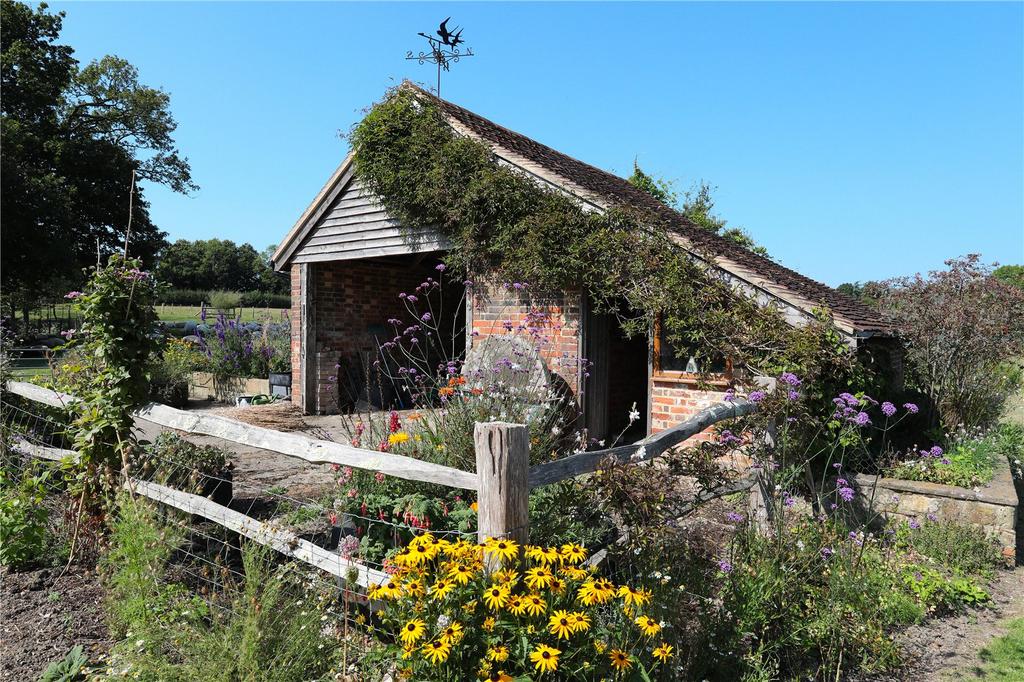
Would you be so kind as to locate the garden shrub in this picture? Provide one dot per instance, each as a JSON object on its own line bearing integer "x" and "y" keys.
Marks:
{"x": 262, "y": 299}
{"x": 957, "y": 547}
{"x": 964, "y": 331}
{"x": 180, "y": 464}
{"x": 190, "y": 297}
{"x": 23, "y": 517}
{"x": 234, "y": 349}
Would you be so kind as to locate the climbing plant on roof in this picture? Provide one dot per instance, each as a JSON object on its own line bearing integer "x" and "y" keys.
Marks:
{"x": 504, "y": 225}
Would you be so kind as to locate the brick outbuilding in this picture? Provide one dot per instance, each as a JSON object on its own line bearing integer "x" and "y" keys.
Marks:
{"x": 349, "y": 262}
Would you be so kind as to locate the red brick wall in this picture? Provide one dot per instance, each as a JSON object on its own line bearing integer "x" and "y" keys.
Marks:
{"x": 498, "y": 308}
{"x": 674, "y": 401}
{"x": 353, "y": 302}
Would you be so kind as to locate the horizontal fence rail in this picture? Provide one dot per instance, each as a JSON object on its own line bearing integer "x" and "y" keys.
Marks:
{"x": 294, "y": 445}
{"x": 654, "y": 446}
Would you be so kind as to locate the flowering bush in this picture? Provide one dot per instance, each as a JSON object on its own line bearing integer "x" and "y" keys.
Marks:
{"x": 234, "y": 349}
{"x": 809, "y": 584}
{"x": 543, "y": 613}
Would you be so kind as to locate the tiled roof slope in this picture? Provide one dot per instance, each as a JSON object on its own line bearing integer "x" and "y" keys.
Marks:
{"x": 617, "y": 191}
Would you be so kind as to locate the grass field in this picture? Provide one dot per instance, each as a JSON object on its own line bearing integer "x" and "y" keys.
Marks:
{"x": 168, "y": 313}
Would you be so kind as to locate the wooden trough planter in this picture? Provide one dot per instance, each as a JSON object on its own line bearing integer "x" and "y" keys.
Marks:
{"x": 204, "y": 386}
{"x": 991, "y": 508}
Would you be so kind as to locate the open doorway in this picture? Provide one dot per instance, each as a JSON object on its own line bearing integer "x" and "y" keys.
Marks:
{"x": 618, "y": 381}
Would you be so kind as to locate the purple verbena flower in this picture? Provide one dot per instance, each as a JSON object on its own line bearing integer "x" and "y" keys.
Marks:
{"x": 862, "y": 419}
{"x": 790, "y": 378}
{"x": 888, "y": 409}
{"x": 734, "y": 517}
{"x": 724, "y": 566}
{"x": 910, "y": 407}
{"x": 846, "y": 493}
{"x": 756, "y": 396}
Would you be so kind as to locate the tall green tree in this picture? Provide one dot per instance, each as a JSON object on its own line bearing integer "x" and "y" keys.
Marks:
{"x": 697, "y": 204}
{"x": 218, "y": 264}
{"x": 72, "y": 138}
{"x": 1010, "y": 274}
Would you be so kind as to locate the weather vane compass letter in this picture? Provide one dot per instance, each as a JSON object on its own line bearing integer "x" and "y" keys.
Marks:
{"x": 444, "y": 49}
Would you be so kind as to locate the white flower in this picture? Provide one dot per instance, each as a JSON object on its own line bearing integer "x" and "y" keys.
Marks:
{"x": 634, "y": 414}
{"x": 641, "y": 453}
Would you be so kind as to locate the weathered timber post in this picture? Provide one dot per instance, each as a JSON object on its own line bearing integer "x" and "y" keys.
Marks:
{"x": 503, "y": 471}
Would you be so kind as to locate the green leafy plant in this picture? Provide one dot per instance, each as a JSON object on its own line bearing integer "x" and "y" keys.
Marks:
{"x": 71, "y": 668}
{"x": 225, "y": 300}
{"x": 175, "y": 462}
{"x": 22, "y": 517}
{"x": 969, "y": 459}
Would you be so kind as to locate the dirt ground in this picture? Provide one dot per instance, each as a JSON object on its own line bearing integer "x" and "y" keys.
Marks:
{"x": 43, "y": 615}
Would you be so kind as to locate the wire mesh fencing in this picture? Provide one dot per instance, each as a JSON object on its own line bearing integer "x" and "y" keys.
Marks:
{"x": 220, "y": 529}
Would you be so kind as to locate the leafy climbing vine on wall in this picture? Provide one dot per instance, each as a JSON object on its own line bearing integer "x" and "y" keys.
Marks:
{"x": 505, "y": 226}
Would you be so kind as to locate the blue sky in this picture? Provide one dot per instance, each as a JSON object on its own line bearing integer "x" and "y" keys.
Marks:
{"x": 855, "y": 141}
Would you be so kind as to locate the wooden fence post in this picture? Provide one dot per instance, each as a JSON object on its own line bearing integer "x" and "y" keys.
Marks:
{"x": 503, "y": 472}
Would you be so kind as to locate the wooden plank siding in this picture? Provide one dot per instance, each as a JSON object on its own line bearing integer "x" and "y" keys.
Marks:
{"x": 354, "y": 225}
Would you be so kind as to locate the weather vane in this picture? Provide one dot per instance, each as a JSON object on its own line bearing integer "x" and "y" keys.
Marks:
{"x": 444, "y": 50}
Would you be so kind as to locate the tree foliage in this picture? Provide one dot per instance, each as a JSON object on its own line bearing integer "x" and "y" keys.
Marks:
{"x": 962, "y": 327}
{"x": 72, "y": 137}
{"x": 218, "y": 264}
{"x": 697, "y": 204}
{"x": 1010, "y": 274}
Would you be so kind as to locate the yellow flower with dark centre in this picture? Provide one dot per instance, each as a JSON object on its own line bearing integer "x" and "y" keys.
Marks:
{"x": 634, "y": 597}
{"x": 413, "y": 631}
{"x": 506, "y": 577}
{"x": 496, "y": 597}
{"x": 561, "y": 624}
{"x": 461, "y": 573}
{"x": 497, "y": 653}
{"x": 452, "y": 634}
{"x": 539, "y": 578}
{"x": 414, "y": 588}
{"x": 573, "y": 572}
{"x": 663, "y": 652}
{"x": 408, "y": 651}
{"x": 557, "y": 586}
{"x": 545, "y": 658}
{"x": 620, "y": 659}
{"x": 599, "y": 646}
{"x": 505, "y": 550}
{"x": 440, "y": 589}
{"x": 499, "y": 676}
{"x": 436, "y": 652}
{"x": 595, "y": 592}
{"x": 389, "y": 590}
{"x": 488, "y": 624}
{"x": 534, "y": 605}
{"x": 580, "y": 621}
{"x": 543, "y": 555}
{"x": 516, "y": 606}
{"x": 572, "y": 554}
{"x": 648, "y": 625}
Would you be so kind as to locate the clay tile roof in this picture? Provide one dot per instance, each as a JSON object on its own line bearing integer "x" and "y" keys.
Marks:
{"x": 617, "y": 191}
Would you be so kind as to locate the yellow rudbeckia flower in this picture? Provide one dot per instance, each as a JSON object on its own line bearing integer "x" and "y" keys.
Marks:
{"x": 545, "y": 658}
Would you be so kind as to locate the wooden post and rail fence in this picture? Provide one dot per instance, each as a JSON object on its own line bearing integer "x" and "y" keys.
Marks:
{"x": 503, "y": 478}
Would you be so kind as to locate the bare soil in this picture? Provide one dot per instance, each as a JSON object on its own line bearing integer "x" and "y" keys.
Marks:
{"x": 44, "y": 614}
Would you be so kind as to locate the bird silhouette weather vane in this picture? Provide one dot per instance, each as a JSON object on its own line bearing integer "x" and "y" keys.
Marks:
{"x": 444, "y": 49}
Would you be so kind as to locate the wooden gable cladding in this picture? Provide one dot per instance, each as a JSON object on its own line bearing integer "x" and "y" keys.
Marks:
{"x": 348, "y": 222}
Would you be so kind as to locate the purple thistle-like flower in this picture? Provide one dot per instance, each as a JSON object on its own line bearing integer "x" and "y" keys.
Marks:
{"x": 793, "y": 395}
{"x": 441, "y": 267}
{"x": 932, "y": 517}
{"x": 910, "y": 407}
{"x": 729, "y": 396}
{"x": 888, "y": 409}
{"x": 426, "y": 317}
{"x": 849, "y": 399}
{"x": 790, "y": 378}
{"x": 936, "y": 451}
{"x": 826, "y": 553}
{"x": 862, "y": 419}
{"x": 914, "y": 524}
{"x": 724, "y": 566}
{"x": 788, "y": 500}
{"x": 846, "y": 493}
{"x": 837, "y": 465}
{"x": 946, "y": 461}
{"x": 756, "y": 396}
{"x": 735, "y": 518}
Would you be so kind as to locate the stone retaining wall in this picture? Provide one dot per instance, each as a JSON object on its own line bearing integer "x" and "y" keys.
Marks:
{"x": 992, "y": 508}
{"x": 201, "y": 386}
